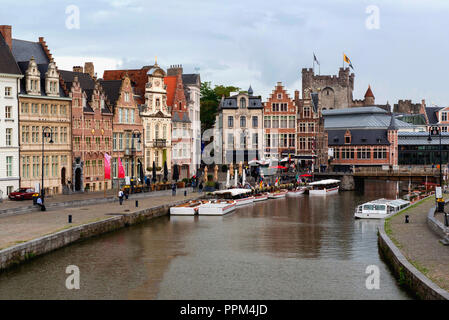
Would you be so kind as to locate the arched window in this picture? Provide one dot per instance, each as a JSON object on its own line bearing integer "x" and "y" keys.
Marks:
{"x": 242, "y": 103}
{"x": 156, "y": 134}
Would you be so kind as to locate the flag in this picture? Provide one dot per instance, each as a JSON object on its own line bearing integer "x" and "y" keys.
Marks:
{"x": 121, "y": 170}
{"x": 315, "y": 59}
{"x": 107, "y": 166}
{"x": 348, "y": 61}
{"x": 276, "y": 182}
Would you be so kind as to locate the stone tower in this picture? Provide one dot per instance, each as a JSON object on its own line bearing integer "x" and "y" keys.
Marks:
{"x": 369, "y": 97}
{"x": 335, "y": 92}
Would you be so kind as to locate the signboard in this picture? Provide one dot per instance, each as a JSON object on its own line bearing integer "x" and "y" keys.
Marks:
{"x": 330, "y": 152}
{"x": 385, "y": 168}
{"x": 127, "y": 181}
{"x": 438, "y": 193}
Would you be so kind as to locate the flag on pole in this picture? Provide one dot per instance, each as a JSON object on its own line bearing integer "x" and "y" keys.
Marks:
{"x": 315, "y": 59}
{"x": 347, "y": 60}
{"x": 107, "y": 166}
{"x": 121, "y": 170}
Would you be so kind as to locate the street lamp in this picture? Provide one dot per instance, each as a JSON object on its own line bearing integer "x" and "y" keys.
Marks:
{"x": 45, "y": 134}
{"x": 434, "y": 132}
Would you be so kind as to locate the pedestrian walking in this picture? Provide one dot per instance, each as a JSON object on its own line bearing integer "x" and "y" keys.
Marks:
{"x": 120, "y": 197}
{"x": 41, "y": 204}
{"x": 173, "y": 189}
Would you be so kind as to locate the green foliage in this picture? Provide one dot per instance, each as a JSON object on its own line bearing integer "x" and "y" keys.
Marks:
{"x": 210, "y": 100}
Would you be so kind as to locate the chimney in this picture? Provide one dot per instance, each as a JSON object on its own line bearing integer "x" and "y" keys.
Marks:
{"x": 89, "y": 69}
{"x": 175, "y": 70}
{"x": 7, "y": 35}
{"x": 78, "y": 69}
{"x": 296, "y": 95}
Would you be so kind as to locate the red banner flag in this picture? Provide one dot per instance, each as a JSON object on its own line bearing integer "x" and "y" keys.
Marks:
{"x": 107, "y": 166}
{"x": 121, "y": 170}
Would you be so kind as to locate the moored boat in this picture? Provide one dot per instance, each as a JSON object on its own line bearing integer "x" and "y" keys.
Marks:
{"x": 240, "y": 196}
{"x": 187, "y": 209}
{"x": 380, "y": 208}
{"x": 296, "y": 192}
{"x": 278, "y": 194}
{"x": 324, "y": 187}
{"x": 217, "y": 208}
{"x": 260, "y": 197}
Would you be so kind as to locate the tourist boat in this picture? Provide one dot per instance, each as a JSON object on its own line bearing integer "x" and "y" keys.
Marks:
{"x": 278, "y": 194}
{"x": 217, "y": 208}
{"x": 240, "y": 196}
{"x": 380, "y": 209}
{"x": 324, "y": 187}
{"x": 260, "y": 197}
{"x": 187, "y": 209}
{"x": 296, "y": 192}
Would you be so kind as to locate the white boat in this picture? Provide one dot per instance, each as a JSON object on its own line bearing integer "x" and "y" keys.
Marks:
{"x": 260, "y": 197}
{"x": 187, "y": 209}
{"x": 278, "y": 194}
{"x": 240, "y": 196}
{"x": 380, "y": 208}
{"x": 217, "y": 208}
{"x": 296, "y": 192}
{"x": 324, "y": 187}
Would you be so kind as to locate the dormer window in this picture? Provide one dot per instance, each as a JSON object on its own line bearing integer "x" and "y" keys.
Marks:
{"x": 52, "y": 80}
{"x": 33, "y": 78}
{"x": 242, "y": 103}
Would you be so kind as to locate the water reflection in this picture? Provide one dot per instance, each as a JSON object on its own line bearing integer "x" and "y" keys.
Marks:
{"x": 294, "y": 248}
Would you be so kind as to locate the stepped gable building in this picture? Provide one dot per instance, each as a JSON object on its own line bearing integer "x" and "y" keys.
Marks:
{"x": 127, "y": 129}
{"x": 279, "y": 124}
{"x": 150, "y": 92}
{"x": 181, "y": 124}
{"x": 239, "y": 124}
{"x": 10, "y": 76}
{"x": 91, "y": 128}
{"x": 192, "y": 92}
{"x": 44, "y": 107}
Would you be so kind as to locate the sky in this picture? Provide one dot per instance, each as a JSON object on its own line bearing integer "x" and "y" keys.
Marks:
{"x": 399, "y": 47}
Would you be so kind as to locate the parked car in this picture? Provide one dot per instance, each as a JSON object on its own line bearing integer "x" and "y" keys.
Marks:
{"x": 22, "y": 194}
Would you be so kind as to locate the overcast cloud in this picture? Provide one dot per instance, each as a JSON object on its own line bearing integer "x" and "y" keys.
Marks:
{"x": 253, "y": 42}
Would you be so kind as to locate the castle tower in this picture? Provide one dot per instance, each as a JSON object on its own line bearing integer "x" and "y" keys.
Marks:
{"x": 369, "y": 97}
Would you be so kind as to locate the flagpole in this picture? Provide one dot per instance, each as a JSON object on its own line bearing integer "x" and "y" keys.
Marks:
{"x": 314, "y": 63}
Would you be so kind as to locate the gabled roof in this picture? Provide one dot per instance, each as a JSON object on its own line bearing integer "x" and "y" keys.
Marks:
{"x": 191, "y": 79}
{"x": 86, "y": 82}
{"x": 180, "y": 117}
{"x": 43, "y": 68}
{"x": 138, "y": 78}
{"x": 369, "y": 93}
{"x": 7, "y": 62}
{"x": 170, "y": 81}
{"x": 24, "y": 50}
{"x": 112, "y": 90}
{"x": 432, "y": 114}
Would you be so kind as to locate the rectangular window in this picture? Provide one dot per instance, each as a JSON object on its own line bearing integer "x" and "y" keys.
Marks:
{"x": 444, "y": 116}
{"x": 114, "y": 141}
{"x": 9, "y": 166}
{"x": 255, "y": 140}
{"x": 311, "y": 127}
{"x": 8, "y": 112}
{"x": 8, "y": 136}
{"x": 230, "y": 140}
{"x": 275, "y": 123}
{"x": 8, "y": 91}
{"x": 291, "y": 122}
{"x": 230, "y": 122}
{"x": 255, "y": 121}
{"x": 306, "y": 112}
{"x": 283, "y": 121}
{"x": 267, "y": 122}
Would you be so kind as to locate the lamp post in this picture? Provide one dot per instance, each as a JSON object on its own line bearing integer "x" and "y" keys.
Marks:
{"x": 434, "y": 132}
{"x": 45, "y": 134}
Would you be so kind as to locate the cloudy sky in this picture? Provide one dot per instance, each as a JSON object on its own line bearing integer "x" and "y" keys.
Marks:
{"x": 403, "y": 54}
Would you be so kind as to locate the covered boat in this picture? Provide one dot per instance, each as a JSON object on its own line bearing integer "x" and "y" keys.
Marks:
{"x": 278, "y": 194}
{"x": 324, "y": 187}
{"x": 240, "y": 196}
{"x": 261, "y": 197}
{"x": 217, "y": 208}
{"x": 187, "y": 209}
{"x": 380, "y": 209}
{"x": 296, "y": 192}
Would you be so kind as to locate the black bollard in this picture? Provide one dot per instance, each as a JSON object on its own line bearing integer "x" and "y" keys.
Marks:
{"x": 185, "y": 193}
{"x": 137, "y": 203}
{"x": 70, "y": 218}
{"x": 406, "y": 218}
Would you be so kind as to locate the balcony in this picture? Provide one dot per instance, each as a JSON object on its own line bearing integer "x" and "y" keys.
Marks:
{"x": 159, "y": 143}
{"x": 130, "y": 151}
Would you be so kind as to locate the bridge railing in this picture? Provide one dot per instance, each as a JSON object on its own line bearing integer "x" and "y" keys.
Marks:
{"x": 401, "y": 171}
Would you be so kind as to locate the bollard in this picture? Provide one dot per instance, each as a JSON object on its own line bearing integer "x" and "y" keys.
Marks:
{"x": 185, "y": 193}
{"x": 406, "y": 218}
{"x": 70, "y": 218}
{"x": 137, "y": 203}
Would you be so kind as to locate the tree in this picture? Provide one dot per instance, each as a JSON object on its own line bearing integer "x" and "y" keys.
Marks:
{"x": 210, "y": 100}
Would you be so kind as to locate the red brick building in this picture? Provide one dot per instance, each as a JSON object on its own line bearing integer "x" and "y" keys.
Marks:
{"x": 279, "y": 124}
{"x": 181, "y": 124}
{"x": 91, "y": 128}
{"x": 127, "y": 133}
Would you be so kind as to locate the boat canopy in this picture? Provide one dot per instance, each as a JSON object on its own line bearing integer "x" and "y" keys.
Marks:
{"x": 233, "y": 192}
{"x": 324, "y": 182}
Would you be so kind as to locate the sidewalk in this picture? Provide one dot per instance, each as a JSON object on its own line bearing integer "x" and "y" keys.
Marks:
{"x": 16, "y": 229}
{"x": 419, "y": 244}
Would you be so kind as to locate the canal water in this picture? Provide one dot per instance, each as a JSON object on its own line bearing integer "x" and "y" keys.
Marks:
{"x": 293, "y": 248}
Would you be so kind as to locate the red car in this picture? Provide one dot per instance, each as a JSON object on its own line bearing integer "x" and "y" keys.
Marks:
{"x": 22, "y": 194}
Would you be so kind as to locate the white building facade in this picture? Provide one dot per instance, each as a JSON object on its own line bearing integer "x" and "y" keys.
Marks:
{"x": 10, "y": 76}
